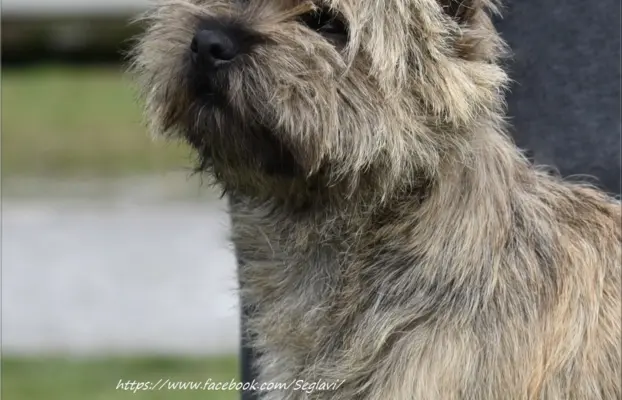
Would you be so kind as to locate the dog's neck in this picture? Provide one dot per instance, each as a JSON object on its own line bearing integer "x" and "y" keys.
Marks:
{"x": 476, "y": 187}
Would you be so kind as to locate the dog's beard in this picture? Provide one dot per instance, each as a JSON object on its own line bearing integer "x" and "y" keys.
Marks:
{"x": 233, "y": 136}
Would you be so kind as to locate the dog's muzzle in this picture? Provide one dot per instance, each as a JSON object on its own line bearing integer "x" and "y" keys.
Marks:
{"x": 218, "y": 43}
{"x": 214, "y": 47}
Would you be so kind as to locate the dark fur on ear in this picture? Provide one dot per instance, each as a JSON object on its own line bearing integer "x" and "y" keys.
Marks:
{"x": 461, "y": 10}
{"x": 477, "y": 39}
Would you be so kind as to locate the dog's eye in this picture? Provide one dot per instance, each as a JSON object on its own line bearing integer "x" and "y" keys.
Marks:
{"x": 325, "y": 21}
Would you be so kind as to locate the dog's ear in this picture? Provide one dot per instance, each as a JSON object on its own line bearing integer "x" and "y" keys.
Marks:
{"x": 461, "y": 10}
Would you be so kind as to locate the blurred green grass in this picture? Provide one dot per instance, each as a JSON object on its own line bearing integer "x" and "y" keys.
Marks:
{"x": 60, "y": 120}
{"x": 80, "y": 379}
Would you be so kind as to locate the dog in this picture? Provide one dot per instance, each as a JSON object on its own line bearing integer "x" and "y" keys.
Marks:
{"x": 394, "y": 240}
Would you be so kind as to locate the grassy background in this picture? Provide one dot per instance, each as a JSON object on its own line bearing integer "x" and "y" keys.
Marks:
{"x": 78, "y": 121}
{"x": 73, "y": 379}
{"x": 63, "y": 122}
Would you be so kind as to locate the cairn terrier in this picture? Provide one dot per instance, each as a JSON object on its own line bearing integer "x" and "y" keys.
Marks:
{"x": 393, "y": 239}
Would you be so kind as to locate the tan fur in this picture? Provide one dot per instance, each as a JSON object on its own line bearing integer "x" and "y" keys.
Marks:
{"x": 415, "y": 254}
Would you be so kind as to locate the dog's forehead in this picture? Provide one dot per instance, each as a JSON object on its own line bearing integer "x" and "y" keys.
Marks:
{"x": 397, "y": 8}
{"x": 390, "y": 17}
{"x": 369, "y": 8}
{"x": 379, "y": 4}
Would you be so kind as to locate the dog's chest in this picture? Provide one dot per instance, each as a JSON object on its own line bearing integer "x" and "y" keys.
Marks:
{"x": 292, "y": 282}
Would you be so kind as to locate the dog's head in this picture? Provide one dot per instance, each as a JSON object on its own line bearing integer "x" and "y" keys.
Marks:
{"x": 289, "y": 98}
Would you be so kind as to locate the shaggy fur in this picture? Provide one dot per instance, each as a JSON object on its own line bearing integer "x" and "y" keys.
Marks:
{"x": 392, "y": 236}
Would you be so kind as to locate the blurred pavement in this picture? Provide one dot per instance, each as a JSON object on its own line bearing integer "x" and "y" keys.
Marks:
{"x": 138, "y": 266}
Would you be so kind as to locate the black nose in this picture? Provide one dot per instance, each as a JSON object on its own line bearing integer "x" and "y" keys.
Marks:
{"x": 213, "y": 47}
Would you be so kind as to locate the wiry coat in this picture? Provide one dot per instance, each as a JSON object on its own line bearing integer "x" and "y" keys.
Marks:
{"x": 409, "y": 249}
